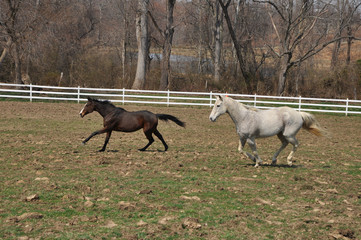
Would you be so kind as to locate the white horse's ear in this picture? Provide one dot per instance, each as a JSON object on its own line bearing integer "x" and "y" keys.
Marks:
{"x": 220, "y": 97}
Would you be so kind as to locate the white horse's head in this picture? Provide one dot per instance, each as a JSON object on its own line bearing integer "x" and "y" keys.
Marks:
{"x": 218, "y": 109}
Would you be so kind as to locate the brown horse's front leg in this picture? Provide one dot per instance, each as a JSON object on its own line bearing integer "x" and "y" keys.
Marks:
{"x": 93, "y": 134}
{"x": 106, "y": 141}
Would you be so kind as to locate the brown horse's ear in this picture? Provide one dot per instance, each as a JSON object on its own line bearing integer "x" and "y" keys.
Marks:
{"x": 90, "y": 99}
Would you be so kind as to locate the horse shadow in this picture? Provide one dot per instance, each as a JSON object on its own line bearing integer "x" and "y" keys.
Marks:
{"x": 275, "y": 165}
{"x": 158, "y": 150}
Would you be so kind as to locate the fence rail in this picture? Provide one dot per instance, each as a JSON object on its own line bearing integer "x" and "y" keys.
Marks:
{"x": 78, "y": 94}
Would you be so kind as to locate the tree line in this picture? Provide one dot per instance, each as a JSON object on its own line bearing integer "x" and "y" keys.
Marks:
{"x": 283, "y": 47}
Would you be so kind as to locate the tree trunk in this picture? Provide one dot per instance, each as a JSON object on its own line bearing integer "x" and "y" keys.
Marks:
{"x": 349, "y": 43}
{"x": 17, "y": 62}
{"x": 335, "y": 53}
{"x": 281, "y": 82}
{"x": 123, "y": 58}
{"x": 201, "y": 33}
{"x": 142, "y": 40}
{"x": 218, "y": 43}
{"x": 3, "y": 55}
{"x": 246, "y": 75}
{"x": 5, "y": 51}
{"x": 282, "y": 77}
{"x": 167, "y": 47}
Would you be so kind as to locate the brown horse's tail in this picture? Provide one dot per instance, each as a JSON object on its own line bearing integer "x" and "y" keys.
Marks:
{"x": 166, "y": 117}
{"x": 310, "y": 124}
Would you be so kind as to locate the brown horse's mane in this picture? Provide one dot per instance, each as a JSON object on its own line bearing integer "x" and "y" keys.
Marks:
{"x": 106, "y": 102}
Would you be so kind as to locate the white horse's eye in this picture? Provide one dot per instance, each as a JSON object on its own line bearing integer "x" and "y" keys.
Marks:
{"x": 218, "y": 105}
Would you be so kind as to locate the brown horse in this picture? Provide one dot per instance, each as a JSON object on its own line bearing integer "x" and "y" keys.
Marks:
{"x": 119, "y": 119}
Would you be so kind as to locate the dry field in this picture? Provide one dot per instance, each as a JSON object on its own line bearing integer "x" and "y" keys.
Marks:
{"x": 52, "y": 187}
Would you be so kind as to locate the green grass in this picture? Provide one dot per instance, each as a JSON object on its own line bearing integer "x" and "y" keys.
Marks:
{"x": 201, "y": 177}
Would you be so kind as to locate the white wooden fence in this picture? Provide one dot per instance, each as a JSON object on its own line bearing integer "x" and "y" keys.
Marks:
{"x": 78, "y": 94}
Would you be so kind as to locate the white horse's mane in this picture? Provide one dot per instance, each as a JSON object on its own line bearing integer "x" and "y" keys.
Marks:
{"x": 248, "y": 107}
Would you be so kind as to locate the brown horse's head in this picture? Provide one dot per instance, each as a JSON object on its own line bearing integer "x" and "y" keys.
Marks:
{"x": 88, "y": 107}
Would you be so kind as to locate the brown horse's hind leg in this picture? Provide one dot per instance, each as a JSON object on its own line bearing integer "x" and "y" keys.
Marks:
{"x": 148, "y": 134}
{"x": 157, "y": 133}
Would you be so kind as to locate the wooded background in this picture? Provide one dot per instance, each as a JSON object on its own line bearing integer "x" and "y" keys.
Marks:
{"x": 283, "y": 47}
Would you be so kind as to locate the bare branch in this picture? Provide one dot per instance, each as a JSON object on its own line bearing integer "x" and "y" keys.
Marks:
{"x": 156, "y": 24}
{"x": 274, "y": 6}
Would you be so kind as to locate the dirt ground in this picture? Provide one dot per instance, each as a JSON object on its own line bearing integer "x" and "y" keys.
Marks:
{"x": 52, "y": 186}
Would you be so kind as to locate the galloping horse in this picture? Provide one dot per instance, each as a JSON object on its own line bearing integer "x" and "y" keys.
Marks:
{"x": 252, "y": 123}
{"x": 118, "y": 119}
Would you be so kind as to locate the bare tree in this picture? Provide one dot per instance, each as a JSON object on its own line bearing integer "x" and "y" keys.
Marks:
{"x": 123, "y": 32}
{"x": 244, "y": 52}
{"x": 167, "y": 35}
{"x": 345, "y": 19}
{"x": 295, "y": 23}
{"x": 142, "y": 40}
{"x": 17, "y": 20}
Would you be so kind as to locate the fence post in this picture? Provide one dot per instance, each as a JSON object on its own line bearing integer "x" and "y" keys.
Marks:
{"x": 168, "y": 98}
{"x": 123, "y": 95}
{"x": 299, "y": 103}
{"x": 255, "y": 100}
{"x": 78, "y": 94}
{"x": 210, "y": 99}
{"x": 31, "y": 92}
{"x": 346, "y": 106}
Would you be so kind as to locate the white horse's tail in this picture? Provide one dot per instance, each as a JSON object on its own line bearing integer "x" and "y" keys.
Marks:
{"x": 310, "y": 124}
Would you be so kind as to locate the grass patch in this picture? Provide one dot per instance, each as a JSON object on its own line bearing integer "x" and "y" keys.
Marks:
{"x": 201, "y": 188}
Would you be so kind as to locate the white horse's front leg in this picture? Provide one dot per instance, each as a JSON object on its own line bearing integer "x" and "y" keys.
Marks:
{"x": 252, "y": 144}
{"x": 242, "y": 142}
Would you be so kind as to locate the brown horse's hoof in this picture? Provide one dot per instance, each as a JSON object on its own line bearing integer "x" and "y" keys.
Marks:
{"x": 101, "y": 150}
{"x": 141, "y": 149}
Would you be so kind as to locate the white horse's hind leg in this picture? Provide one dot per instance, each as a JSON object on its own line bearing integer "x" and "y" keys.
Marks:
{"x": 252, "y": 144}
{"x": 240, "y": 146}
{"x": 284, "y": 144}
{"x": 294, "y": 142}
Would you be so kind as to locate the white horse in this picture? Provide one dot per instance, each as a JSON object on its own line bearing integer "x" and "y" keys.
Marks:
{"x": 252, "y": 123}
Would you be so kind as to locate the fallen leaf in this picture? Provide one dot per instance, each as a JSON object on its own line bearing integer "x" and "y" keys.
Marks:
{"x": 32, "y": 215}
{"x": 332, "y": 191}
{"x": 146, "y": 191}
{"x": 141, "y": 223}
{"x": 264, "y": 201}
{"x": 191, "y": 223}
{"x": 164, "y": 220}
{"x": 41, "y": 179}
{"x": 32, "y": 198}
{"x": 195, "y": 198}
{"x": 125, "y": 206}
{"x": 88, "y": 204}
{"x": 110, "y": 224}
